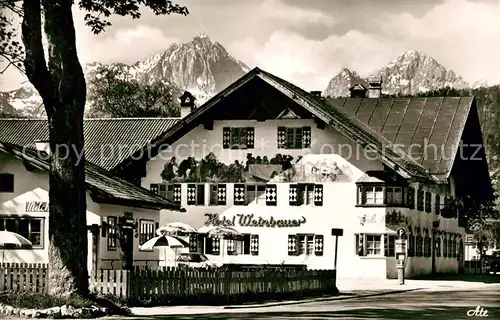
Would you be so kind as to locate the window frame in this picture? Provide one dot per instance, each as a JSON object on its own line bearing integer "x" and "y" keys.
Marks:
{"x": 305, "y": 194}
{"x": 16, "y": 219}
{"x": 145, "y": 234}
{"x": 390, "y": 189}
{"x": 362, "y": 195}
{"x": 261, "y": 198}
{"x": 215, "y": 190}
{"x": 294, "y": 133}
{"x": 240, "y": 244}
{"x": 11, "y": 183}
{"x": 308, "y": 248}
{"x": 241, "y": 135}
{"x": 112, "y": 233}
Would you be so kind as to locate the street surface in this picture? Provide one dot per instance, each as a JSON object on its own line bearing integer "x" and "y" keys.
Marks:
{"x": 422, "y": 304}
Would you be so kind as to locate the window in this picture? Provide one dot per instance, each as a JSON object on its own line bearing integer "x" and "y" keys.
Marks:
{"x": 212, "y": 245}
{"x": 411, "y": 198}
{"x": 238, "y": 138}
{"x": 394, "y": 196}
{"x": 373, "y": 245}
{"x": 196, "y": 194}
{"x": 419, "y": 246}
{"x": 437, "y": 205}
{"x": 30, "y": 228}
{"x": 146, "y": 230}
{"x": 256, "y": 193}
{"x": 428, "y": 197}
{"x": 305, "y": 244}
{"x": 305, "y": 194}
{"x": 217, "y": 194}
{"x": 112, "y": 236}
{"x": 420, "y": 200}
{"x": 371, "y": 195}
{"x": 389, "y": 245}
{"x": 445, "y": 247}
{"x": 243, "y": 246}
{"x": 169, "y": 191}
{"x": 6, "y": 182}
{"x": 294, "y": 137}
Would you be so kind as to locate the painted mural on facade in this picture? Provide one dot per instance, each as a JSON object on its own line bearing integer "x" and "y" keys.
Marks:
{"x": 210, "y": 169}
{"x": 318, "y": 168}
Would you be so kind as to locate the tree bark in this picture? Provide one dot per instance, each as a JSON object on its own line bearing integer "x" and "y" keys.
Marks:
{"x": 61, "y": 85}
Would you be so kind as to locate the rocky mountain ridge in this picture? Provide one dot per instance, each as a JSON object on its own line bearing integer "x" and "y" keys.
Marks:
{"x": 410, "y": 73}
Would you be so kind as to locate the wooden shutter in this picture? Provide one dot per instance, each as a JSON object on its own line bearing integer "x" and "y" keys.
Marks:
{"x": 437, "y": 204}
{"x": 226, "y": 137}
{"x": 191, "y": 194}
{"x": 282, "y": 138}
{"x": 250, "y": 138}
{"x": 292, "y": 245}
{"x": 318, "y": 244}
{"x": 293, "y": 195}
{"x": 154, "y": 188}
{"x": 254, "y": 244}
{"x": 221, "y": 194}
{"x": 230, "y": 247}
{"x": 318, "y": 195}
{"x": 239, "y": 194}
{"x": 271, "y": 195}
{"x": 411, "y": 197}
{"x": 216, "y": 245}
{"x": 177, "y": 193}
{"x": 193, "y": 243}
{"x": 306, "y": 137}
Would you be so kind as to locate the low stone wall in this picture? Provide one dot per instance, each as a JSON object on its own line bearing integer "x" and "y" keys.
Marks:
{"x": 63, "y": 312}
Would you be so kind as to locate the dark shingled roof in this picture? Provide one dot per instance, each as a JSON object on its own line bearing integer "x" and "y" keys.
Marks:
{"x": 107, "y": 141}
{"x": 413, "y": 123}
{"x": 104, "y": 187}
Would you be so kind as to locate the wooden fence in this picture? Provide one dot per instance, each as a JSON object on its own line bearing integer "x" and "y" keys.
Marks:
{"x": 150, "y": 284}
{"x": 27, "y": 277}
{"x": 174, "y": 283}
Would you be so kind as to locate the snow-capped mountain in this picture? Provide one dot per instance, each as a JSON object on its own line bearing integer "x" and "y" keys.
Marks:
{"x": 410, "y": 73}
{"x": 200, "y": 66}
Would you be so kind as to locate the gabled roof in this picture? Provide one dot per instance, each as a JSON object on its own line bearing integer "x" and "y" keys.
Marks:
{"x": 349, "y": 125}
{"x": 358, "y": 87}
{"x": 103, "y": 187}
{"x": 108, "y": 141}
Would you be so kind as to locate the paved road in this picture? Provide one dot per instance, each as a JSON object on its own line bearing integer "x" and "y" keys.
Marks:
{"x": 422, "y": 304}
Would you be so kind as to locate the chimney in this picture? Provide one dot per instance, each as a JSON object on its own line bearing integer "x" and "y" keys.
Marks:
{"x": 374, "y": 87}
{"x": 43, "y": 145}
{"x": 316, "y": 93}
{"x": 187, "y": 104}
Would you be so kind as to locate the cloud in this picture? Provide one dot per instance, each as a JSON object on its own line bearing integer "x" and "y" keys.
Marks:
{"x": 463, "y": 36}
{"x": 278, "y": 10}
{"x": 123, "y": 45}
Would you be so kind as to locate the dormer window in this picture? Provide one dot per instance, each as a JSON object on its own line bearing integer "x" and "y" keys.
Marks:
{"x": 6, "y": 182}
{"x": 371, "y": 195}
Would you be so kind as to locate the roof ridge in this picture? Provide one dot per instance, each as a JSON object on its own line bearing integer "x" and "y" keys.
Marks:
{"x": 135, "y": 118}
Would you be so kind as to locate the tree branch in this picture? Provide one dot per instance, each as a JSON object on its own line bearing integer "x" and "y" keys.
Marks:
{"x": 34, "y": 62}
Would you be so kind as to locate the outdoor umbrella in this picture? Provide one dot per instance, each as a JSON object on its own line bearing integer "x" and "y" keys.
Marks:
{"x": 175, "y": 228}
{"x": 165, "y": 242}
{"x": 12, "y": 238}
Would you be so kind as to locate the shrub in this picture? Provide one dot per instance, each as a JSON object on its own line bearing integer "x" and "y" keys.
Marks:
{"x": 41, "y": 300}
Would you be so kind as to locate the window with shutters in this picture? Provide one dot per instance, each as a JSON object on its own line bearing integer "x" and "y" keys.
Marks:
{"x": 238, "y": 138}
{"x": 390, "y": 245}
{"x": 146, "y": 230}
{"x": 196, "y": 194}
{"x": 6, "y": 182}
{"x": 371, "y": 245}
{"x": 112, "y": 233}
{"x": 305, "y": 244}
{"x": 437, "y": 247}
{"x": 428, "y": 200}
{"x": 305, "y": 194}
{"x": 242, "y": 246}
{"x": 294, "y": 137}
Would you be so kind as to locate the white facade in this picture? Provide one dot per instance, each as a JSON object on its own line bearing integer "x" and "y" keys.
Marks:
{"x": 339, "y": 209}
{"x": 25, "y": 211}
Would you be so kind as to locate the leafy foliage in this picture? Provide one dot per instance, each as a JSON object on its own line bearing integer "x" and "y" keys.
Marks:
{"x": 112, "y": 93}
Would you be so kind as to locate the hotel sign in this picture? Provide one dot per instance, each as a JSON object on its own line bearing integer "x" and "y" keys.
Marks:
{"x": 250, "y": 220}
{"x": 37, "y": 206}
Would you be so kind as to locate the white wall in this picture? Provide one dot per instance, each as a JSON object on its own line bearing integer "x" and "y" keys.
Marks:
{"x": 33, "y": 186}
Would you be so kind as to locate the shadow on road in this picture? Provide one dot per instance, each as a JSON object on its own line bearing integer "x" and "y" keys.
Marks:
{"x": 485, "y": 278}
{"x": 369, "y": 313}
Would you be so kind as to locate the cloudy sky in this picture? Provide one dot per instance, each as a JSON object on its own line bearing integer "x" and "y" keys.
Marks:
{"x": 309, "y": 41}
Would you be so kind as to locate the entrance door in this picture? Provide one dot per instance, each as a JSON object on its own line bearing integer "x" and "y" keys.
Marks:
{"x": 127, "y": 249}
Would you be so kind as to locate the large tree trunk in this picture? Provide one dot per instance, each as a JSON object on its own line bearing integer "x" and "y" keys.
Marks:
{"x": 61, "y": 85}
